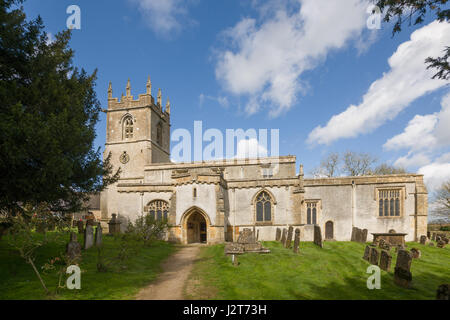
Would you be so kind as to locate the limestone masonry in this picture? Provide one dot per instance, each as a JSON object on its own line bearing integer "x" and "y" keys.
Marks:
{"x": 212, "y": 201}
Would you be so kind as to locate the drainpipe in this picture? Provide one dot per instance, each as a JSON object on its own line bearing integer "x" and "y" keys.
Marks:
{"x": 353, "y": 203}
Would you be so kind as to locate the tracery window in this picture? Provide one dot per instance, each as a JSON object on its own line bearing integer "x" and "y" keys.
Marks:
{"x": 263, "y": 205}
{"x": 128, "y": 127}
{"x": 158, "y": 209}
{"x": 389, "y": 204}
{"x": 311, "y": 212}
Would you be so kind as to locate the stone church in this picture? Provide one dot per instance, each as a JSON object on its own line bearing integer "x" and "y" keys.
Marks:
{"x": 212, "y": 201}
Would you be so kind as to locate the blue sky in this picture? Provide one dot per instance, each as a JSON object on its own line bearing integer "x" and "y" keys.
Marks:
{"x": 288, "y": 65}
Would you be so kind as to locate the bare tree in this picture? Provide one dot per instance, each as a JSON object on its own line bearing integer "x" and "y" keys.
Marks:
{"x": 329, "y": 166}
{"x": 443, "y": 201}
{"x": 384, "y": 168}
{"x": 358, "y": 164}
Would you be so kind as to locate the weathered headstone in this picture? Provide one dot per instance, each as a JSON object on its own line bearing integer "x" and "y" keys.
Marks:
{"x": 246, "y": 236}
{"x": 440, "y": 244}
{"x": 278, "y": 235}
{"x": 318, "y": 236}
{"x": 431, "y": 244}
{"x": 367, "y": 253}
{"x": 98, "y": 236}
{"x": 446, "y": 240}
{"x": 289, "y": 237}
{"x": 374, "y": 256}
{"x": 364, "y": 235}
{"x": 283, "y": 237}
{"x": 90, "y": 222}
{"x": 428, "y": 234}
{"x": 114, "y": 224}
{"x": 402, "y": 274}
{"x": 88, "y": 237}
{"x": 73, "y": 249}
{"x": 443, "y": 292}
{"x": 80, "y": 226}
{"x": 385, "y": 260}
{"x": 415, "y": 253}
{"x": 296, "y": 240}
{"x": 353, "y": 237}
{"x": 433, "y": 236}
{"x": 423, "y": 240}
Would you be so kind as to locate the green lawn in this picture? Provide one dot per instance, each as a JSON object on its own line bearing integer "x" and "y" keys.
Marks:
{"x": 335, "y": 272}
{"x": 18, "y": 280}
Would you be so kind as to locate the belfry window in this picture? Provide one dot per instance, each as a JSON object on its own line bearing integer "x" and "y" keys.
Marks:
{"x": 158, "y": 210}
{"x": 128, "y": 127}
{"x": 263, "y": 205}
{"x": 159, "y": 130}
{"x": 389, "y": 203}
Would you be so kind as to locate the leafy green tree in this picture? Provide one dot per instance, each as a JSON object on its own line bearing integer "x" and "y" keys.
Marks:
{"x": 414, "y": 12}
{"x": 48, "y": 115}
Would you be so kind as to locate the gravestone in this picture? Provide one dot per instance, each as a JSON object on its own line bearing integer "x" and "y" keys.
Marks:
{"x": 318, "y": 236}
{"x": 73, "y": 248}
{"x": 423, "y": 240}
{"x": 90, "y": 222}
{"x": 278, "y": 235}
{"x": 415, "y": 253}
{"x": 445, "y": 239}
{"x": 88, "y": 237}
{"x": 385, "y": 260}
{"x": 353, "y": 237}
{"x": 431, "y": 244}
{"x": 114, "y": 224}
{"x": 364, "y": 235}
{"x": 440, "y": 244}
{"x": 246, "y": 236}
{"x": 80, "y": 226}
{"x": 98, "y": 236}
{"x": 283, "y": 237}
{"x": 289, "y": 237}
{"x": 257, "y": 235}
{"x": 296, "y": 240}
{"x": 367, "y": 253}
{"x": 374, "y": 256}
{"x": 402, "y": 274}
{"x": 433, "y": 236}
{"x": 428, "y": 234}
{"x": 443, "y": 292}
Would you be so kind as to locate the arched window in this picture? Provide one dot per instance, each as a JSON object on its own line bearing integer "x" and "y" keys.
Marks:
{"x": 263, "y": 207}
{"x": 159, "y": 139}
{"x": 158, "y": 210}
{"x": 311, "y": 212}
{"x": 128, "y": 127}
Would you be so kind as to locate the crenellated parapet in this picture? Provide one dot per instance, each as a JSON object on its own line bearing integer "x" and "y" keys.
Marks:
{"x": 128, "y": 101}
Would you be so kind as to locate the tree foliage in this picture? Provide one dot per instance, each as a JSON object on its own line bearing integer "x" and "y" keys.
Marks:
{"x": 414, "y": 12}
{"x": 47, "y": 119}
{"x": 357, "y": 164}
{"x": 384, "y": 168}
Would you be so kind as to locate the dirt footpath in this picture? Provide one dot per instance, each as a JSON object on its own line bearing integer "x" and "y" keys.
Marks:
{"x": 169, "y": 284}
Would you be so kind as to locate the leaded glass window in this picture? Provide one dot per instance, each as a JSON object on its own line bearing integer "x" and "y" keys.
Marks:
{"x": 389, "y": 204}
{"x": 158, "y": 210}
{"x": 263, "y": 207}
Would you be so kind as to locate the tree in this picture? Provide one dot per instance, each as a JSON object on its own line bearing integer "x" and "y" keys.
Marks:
{"x": 384, "y": 169}
{"x": 48, "y": 116}
{"x": 416, "y": 10}
{"x": 358, "y": 164}
{"x": 443, "y": 201}
{"x": 329, "y": 167}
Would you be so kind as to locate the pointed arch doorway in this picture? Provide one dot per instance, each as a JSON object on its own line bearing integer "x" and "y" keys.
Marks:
{"x": 195, "y": 226}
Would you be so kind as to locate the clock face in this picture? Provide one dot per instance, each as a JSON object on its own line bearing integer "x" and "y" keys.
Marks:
{"x": 124, "y": 157}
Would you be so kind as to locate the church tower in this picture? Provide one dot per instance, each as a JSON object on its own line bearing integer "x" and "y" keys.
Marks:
{"x": 138, "y": 131}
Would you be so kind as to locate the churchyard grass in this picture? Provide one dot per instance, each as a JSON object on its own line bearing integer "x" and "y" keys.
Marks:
{"x": 18, "y": 280}
{"x": 337, "y": 271}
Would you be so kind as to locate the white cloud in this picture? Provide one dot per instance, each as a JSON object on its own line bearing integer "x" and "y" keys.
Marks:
{"x": 435, "y": 174}
{"x": 407, "y": 80}
{"x": 270, "y": 56}
{"x": 412, "y": 160}
{"x": 250, "y": 148}
{"x": 221, "y": 100}
{"x": 164, "y": 17}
